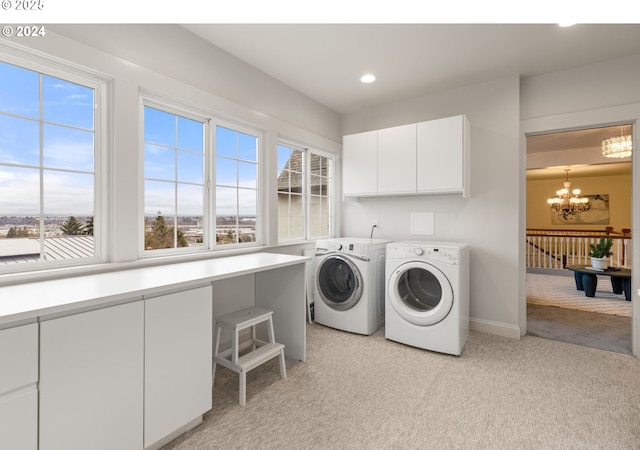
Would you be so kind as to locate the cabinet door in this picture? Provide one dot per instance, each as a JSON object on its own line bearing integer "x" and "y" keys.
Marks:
{"x": 19, "y": 420}
{"x": 91, "y": 380}
{"x": 18, "y": 392}
{"x": 397, "y": 159}
{"x": 441, "y": 155}
{"x": 178, "y": 361}
{"x": 360, "y": 163}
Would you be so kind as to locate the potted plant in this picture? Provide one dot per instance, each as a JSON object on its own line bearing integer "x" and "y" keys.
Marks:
{"x": 600, "y": 252}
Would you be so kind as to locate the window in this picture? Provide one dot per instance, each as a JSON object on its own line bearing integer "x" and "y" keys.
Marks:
{"x": 177, "y": 203}
{"x": 48, "y": 158}
{"x": 174, "y": 189}
{"x": 304, "y": 193}
{"x": 236, "y": 186}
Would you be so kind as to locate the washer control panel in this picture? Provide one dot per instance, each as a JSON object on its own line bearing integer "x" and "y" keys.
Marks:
{"x": 359, "y": 250}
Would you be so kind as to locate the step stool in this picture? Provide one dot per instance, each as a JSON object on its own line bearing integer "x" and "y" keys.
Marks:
{"x": 261, "y": 351}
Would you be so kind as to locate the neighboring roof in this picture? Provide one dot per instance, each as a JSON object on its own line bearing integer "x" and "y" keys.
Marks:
{"x": 19, "y": 250}
{"x": 19, "y": 246}
{"x": 294, "y": 167}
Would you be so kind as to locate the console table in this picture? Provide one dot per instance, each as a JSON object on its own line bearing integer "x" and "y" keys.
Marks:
{"x": 587, "y": 279}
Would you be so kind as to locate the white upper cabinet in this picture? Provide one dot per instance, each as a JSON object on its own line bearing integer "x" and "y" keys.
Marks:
{"x": 418, "y": 159}
{"x": 443, "y": 155}
{"x": 360, "y": 163}
{"x": 397, "y": 159}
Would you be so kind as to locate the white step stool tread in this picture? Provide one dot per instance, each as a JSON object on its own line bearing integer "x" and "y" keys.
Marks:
{"x": 245, "y": 317}
{"x": 259, "y": 356}
{"x": 253, "y": 359}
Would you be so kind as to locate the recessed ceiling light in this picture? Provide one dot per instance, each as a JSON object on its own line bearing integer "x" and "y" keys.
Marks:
{"x": 368, "y": 78}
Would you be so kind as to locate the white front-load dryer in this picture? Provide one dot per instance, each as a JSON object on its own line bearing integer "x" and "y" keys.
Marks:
{"x": 427, "y": 295}
{"x": 349, "y": 284}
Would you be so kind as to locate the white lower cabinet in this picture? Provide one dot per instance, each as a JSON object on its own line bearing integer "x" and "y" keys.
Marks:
{"x": 91, "y": 380}
{"x": 178, "y": 361}
{"x": 18, "y": 388}
{"x": 19, "y": 421}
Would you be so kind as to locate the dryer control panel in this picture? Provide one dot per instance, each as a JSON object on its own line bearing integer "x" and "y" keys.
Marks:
{"x": 445, "y": 255}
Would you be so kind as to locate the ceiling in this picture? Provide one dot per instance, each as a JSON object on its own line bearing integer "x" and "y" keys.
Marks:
{"x": 325, "y": 61}
{"x": 579, "y": 150}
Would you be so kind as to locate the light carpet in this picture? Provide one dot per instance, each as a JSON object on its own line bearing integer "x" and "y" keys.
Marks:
{"x": 366, "y": 392}
{"x": 560, "y": 291}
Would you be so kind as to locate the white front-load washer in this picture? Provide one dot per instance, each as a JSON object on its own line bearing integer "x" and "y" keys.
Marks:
{"x": 349, "y": 284}
{"x": 427, "y": 295}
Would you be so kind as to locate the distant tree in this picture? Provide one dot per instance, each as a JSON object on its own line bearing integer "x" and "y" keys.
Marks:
{"x": 88, "y": 227}
{"x": 161, "y": 235}
{"x": 72, "y": 227}
{"x": 11, "y": 233}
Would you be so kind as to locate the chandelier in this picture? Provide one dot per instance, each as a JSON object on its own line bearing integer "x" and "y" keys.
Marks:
{"x": 617, "y": 147}
{"x": 568, "y": 203}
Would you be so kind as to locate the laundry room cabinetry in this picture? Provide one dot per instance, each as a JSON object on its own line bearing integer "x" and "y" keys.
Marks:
{"x": 397, "y": 159}
{"x": 91, "y": 374}
{"x": 443, "y": 156}
{"x": 18, "y": 387}
{"x": 360, "y": 163}
{"x": 178, "y": 361}
{"x": 426, "y": 158}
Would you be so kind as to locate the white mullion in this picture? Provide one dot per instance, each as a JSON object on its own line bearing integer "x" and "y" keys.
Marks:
{"x": 41, "y": 162}
{"x": 306, "y": 193}
{"x": 175, "y": 181}
{"x": 237, "y": 158}
{"x": 207, "y": 167}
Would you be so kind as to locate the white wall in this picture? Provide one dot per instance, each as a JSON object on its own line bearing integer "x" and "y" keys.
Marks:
{"x": 488, "y": 221}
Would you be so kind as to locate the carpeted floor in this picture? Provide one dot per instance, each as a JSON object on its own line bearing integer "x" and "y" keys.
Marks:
{"x": 560, "y": 291}
{"x": 366, "y": 392}
{"x": 556, "y": 310}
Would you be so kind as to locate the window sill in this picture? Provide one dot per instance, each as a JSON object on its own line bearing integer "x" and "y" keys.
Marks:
{"x": 66, "y": 272}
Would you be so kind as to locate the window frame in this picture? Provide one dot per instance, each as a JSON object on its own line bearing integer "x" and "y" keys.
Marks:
{"x": 306, "y": 191}
{"x": 101, "y": 86}
{"x": 260, "y": 188}
{"x": 179, "y": 109}
{"x": 211, "y": 121}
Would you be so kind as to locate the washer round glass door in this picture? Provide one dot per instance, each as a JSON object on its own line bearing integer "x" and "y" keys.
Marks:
{"x": 420, "y": 293}
{"x": 339, "y": 283}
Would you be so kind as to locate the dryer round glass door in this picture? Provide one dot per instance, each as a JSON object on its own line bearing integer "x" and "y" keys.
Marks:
{"x": 339, "y": 282}
{"x": 420, "y": 293}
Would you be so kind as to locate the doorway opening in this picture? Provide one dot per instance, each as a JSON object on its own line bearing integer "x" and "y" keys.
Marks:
{"x": 560, "y": 231}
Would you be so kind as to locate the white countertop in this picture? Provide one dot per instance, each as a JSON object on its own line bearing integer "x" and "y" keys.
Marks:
{"x": 30, "y": 300}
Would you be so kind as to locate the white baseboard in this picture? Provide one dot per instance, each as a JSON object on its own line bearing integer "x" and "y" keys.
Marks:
{"x": 497, "y": 328}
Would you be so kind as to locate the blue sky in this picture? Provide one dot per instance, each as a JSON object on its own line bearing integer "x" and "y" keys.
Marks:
{"x": 67, "y": 144}
{"x": 174, "y": 152}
